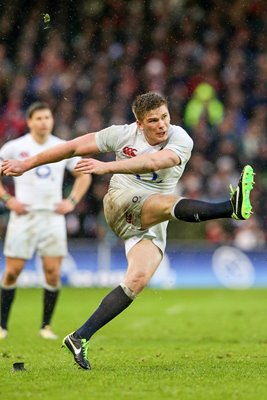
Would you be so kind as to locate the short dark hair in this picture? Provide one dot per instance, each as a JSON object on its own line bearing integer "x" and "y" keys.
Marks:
{"x": 147, "y": 102}
{"x": 36, "y": 106}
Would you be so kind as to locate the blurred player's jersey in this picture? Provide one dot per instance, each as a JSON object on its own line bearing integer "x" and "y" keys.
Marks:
{"x": 128, "y": 141}
{"x": 41, "y": 187}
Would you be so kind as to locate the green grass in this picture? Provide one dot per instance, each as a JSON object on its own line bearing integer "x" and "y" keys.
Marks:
{"x": 178, "y": 344}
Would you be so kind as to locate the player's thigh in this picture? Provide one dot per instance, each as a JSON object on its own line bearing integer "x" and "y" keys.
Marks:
{"x": 143, "y": 260}
{"x": 129, "y": 211}
{"x": 21, "y": 236}
{"x": 122, "y": 209}
{"x": 157, "y": 208}
{"x": 53, "y": 238}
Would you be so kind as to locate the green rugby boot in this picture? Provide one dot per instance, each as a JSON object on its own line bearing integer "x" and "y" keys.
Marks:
{"x": 240, "y": 195}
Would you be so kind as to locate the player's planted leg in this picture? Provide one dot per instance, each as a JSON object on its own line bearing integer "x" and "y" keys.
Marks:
{"x": 113, "y": 304}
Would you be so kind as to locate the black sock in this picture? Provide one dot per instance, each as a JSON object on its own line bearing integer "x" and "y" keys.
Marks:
{"x": 50, "y": 300}
{"x": 7, "y": 297}
{"x": 112, "y": 305}
{"x": 197, "y": 211}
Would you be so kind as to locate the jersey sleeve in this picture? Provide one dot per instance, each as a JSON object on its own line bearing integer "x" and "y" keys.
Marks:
{"x": 70, "y": 165}
{"x": 109, "y": 139}
{"x": 6, "y": 152}
{"x": 182, "y": 144}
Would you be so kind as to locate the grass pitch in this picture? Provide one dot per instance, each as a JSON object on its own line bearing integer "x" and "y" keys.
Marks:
{"x": 177, "y": 344}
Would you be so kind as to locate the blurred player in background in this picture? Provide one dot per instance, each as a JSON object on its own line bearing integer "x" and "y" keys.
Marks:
{"x": 151, "y": 155}
{"x": 37, "y": 210}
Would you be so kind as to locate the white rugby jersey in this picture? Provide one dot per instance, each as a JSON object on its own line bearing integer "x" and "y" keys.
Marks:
{"x": 41, "y": 187}
{"x": 128, "y": 141}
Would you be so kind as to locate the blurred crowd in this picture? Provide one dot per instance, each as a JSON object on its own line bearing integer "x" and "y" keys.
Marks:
{"x": 89, "y": 60}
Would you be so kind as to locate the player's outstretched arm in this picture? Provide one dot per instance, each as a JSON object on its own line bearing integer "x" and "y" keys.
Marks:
{"x": 136, "y": 165}
{"x": 83, "y": 145}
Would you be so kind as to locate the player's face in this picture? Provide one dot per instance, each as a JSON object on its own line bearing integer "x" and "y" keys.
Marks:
{"x": 41, "y": 123}
{"x": 155, "y": 125}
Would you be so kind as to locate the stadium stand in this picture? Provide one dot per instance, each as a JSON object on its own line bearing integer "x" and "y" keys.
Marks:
{"x": 93, "y": 57}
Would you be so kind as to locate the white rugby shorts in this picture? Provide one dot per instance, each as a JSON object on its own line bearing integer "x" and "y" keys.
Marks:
{"x": 43, "y": 232}
{"x": 122, "y": 209}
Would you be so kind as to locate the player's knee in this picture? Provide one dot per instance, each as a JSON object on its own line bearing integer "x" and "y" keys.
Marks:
{"x": 52, "y": 276}
{"x": 157, "y": 208}
{"x": 167, "y": 203}
{"x": 53, "y": 280}
{"x": 138, "y": 282}
{"x": 10, "y": 277}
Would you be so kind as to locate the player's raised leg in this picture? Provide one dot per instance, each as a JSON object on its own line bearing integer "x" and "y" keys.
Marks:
{"x": 158, "y": 208}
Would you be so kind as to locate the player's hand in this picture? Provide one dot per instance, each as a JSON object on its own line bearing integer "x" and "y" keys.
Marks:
{"x": 91, "y": 166}
{"x": 12, "y": 168}
{"x": 14, "y": 205}
{"x": 64, "y": 207}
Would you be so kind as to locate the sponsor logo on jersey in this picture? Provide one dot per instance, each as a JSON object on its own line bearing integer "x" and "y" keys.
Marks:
{"x": 129, "y": 151}
{"x": 136, "y": 199}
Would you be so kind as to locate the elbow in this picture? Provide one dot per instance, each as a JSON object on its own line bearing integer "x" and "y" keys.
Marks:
{"x": 174, "y": 160}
